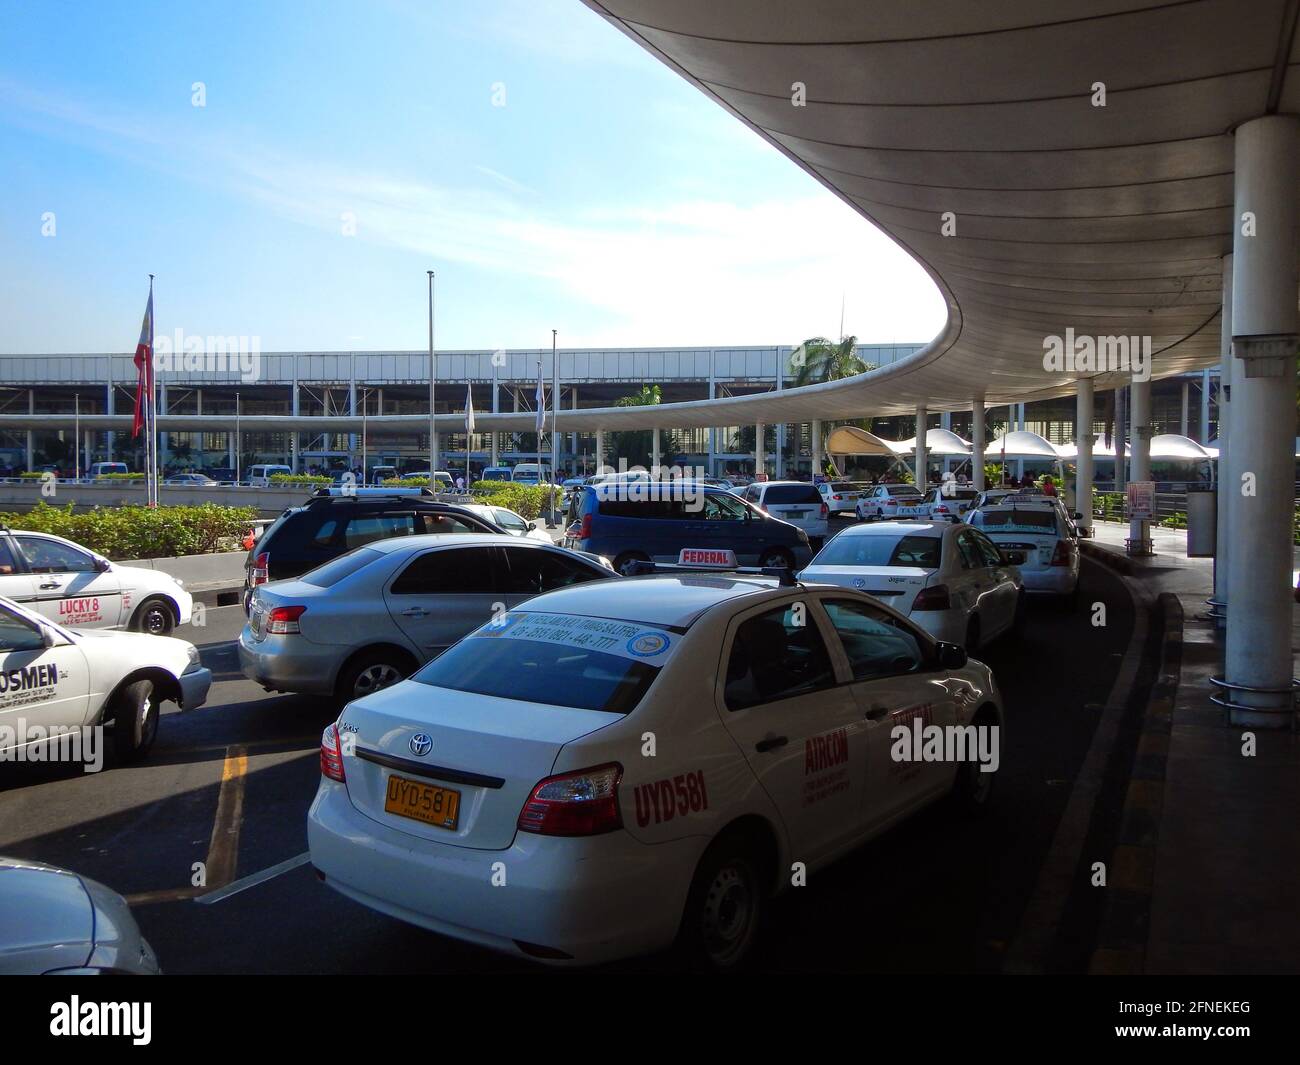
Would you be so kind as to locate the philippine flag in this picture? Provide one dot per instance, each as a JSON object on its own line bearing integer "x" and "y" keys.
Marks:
{"x": 469, "y": 411}
{"x": 144, "y": 367}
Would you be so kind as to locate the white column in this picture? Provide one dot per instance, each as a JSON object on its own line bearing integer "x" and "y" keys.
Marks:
{"x": 108, "y": 409}
{"x": 1083, "y": 418}
{"x": 760, "y": 459}
{"x": 1265, "y": 332}
{"x": 779, "y": 457}
{"x": 295, "y": 444}
{"x": 600, "y": 449}
{"x": 1140, "y": 462}
{"x": 712, "y": 467}
{"x": 656, "y": 459}
{"x": 352, "y": 410}
{"x": 919, "y": 472}
{"x": 977, "y": 430}
{"x": 1225, "y": 496}
{"x": 573, "y": 437}
{"x": 1182, "y": 422}
{"x": 1205, "y": 407}
{"x": 31, "y": 438}
{"x": 163, "y": 443}
{"x": 817, "y": 463}
{"x": 1119, "y": 440}
{"x": 496, "y": 409}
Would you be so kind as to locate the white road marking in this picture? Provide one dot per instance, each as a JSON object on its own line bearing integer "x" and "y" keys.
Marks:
{"x": 253, "y": 879}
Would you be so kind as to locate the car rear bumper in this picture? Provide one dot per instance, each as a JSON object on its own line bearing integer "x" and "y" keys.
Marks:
{"x": 195, "y": 683}
{"x": 303, "y": 666}
{"x": 581, "y": 900}
{"x": 1050, "y": 580}
{"x": 946, "y": 625}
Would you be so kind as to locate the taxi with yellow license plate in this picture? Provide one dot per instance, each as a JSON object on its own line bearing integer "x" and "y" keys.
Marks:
{"x": 616, "y": 766}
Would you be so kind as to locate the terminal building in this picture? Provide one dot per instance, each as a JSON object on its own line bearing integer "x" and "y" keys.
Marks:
{"x": 375, "y": 386}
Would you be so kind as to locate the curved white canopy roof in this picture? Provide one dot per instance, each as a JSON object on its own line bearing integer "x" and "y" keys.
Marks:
{"x": 938, "y": 442}
{"x": 1021, "y": 444}
{"x": 850, "y": 440}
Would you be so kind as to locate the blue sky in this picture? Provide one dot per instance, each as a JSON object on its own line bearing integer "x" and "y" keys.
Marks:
{"x": 607, "y": 198}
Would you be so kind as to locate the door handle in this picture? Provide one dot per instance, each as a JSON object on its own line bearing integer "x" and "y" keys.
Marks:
{"x": 414, "y": 612}
{"x": 877, "y": 712}
{"x": 770, "y": 743}
{"x": 51, "y": 584}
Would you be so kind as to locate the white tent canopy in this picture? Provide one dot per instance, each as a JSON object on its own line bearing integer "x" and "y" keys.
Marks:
{"x": 939, "y": 443}
{"x": 850, "y": 440}
{"x": 1021, "y": 444}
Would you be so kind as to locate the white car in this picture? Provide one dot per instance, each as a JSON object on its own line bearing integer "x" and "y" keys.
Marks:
{"x": 77, "y": 588}
{"x": 950, "y": 502}
{"x": 53, "y": 921}
{"x": 513, "y": 523}
{"x": 887, "y": 502}
{"x": 53, "y": 677}
{"x": 1042, "y": 532}
{"x": 841, "y": 497}
{"x": 948, "y": 578}
{"x": 796, "y": 502}
{"x": 621, "y": 763}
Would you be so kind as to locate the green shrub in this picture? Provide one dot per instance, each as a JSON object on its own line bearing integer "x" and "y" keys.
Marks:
{"x": 526, "y": 500}
{"x": 300, "y": 478}
{"x": 141, "y": 532}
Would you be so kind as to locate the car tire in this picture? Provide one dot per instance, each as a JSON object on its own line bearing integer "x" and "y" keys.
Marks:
{"x": 136, "y": 710}
{"x": 372, "y": 671}
{"x": 725, "y": 906}
{"x": 972, "y": 789}
{"x": 776, "y": 557}
{"x": 154, "y": 617}
{"x": 627, "y": 558}
{"x": 972, "y": 635}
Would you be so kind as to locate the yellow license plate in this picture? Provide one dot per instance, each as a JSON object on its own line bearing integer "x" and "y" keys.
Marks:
{"x": 429, "y": 803}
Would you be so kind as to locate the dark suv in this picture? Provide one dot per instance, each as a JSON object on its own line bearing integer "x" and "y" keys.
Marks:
{"x": 327, "y": 526}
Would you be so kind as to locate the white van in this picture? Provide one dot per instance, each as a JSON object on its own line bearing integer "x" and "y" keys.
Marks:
{"x": 527, "y": 473}
{"x": 259, "y": 476}
{"x": 100, "y": 469}
{"x": 496, "y": 473}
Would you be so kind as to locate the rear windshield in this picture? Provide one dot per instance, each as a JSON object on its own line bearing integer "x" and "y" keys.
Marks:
{"x": 878, "y": 550}
{"x": 335, "y": 570}
{"x": 847, "y": 486}
{"x": 555, "y": 659}
{"x": 903, "y": 490}
{"x": 782, "y": 494}
{"x": 1015, "y": 520}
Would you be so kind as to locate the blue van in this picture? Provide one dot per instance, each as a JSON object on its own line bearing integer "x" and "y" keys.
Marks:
{"x": 639, "y": 521}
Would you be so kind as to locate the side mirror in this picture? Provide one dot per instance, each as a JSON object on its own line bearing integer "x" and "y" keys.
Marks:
{"x": 1013, "y": 558}
{"x": 532, "y": 525}
{"x": 952, "y": 655}
{"x": 1077, "y": 516}
{"x": 47, "y": 636}
{"x": 102, "y": 565}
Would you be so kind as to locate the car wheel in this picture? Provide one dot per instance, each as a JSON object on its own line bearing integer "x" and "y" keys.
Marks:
{"x": 371, "y": 672}
{"x": 972, "y": 635}
{"x": 154, "y": 617}
{"x": 776, "y": 558}
{"x": 135, "y": 720}
{"x": 724, "y": 906}
{"x": 624, "y": 562}
{"x": 973, "y": 788}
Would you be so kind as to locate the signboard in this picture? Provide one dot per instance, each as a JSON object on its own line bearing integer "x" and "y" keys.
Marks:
{"x": 1142, "y": 500}
{"x": 707, "y": 556}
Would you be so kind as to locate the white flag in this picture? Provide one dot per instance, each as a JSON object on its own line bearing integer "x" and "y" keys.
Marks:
{"x": 541, "y": 400}
{"x": 469, "y": 413}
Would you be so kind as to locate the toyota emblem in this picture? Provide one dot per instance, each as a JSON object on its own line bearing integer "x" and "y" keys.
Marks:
{"x": 421, "y": 744}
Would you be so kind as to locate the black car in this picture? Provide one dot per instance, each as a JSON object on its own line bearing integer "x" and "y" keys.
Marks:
{"x": 327, "y": 526}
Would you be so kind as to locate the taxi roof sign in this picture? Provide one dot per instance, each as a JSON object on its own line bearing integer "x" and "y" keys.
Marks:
{"x": 723, "y": 558}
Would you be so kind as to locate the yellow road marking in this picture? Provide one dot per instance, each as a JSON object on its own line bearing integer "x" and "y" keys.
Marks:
{"x": 223, "y": 846}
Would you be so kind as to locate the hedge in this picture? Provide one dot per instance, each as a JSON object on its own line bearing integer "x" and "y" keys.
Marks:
{"x": 300, "y": 478}
{"x": 526, "y": 500}
{"x": 141, "y": 532}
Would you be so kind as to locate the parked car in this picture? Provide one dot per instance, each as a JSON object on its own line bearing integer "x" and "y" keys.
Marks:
{"x": 1044, "y": 534}
{"x": 57, "y": 678}
{"x": 69, "y": 584}
{"x": 332, "y": 524}
{"x": 511, "y": 522}
{"x": 380, "y": 474}
{"x": 841, "y": 497}
{"x": 100, "y": 469}
{"x": 200, "y": 480}
{"x": 948, "y": 578}
{"x": 372, "y": 616}
{"x": 797, "y": 502}
{"x": 531, "y": 473}
{"x": 652, "y": 522}
{"x": 888, "y": 502}
{"x": 53, "y": 921}
{"x": 496, "y": 473}
{"x": 259, "y": 474}
{"x": 950, "y": 502}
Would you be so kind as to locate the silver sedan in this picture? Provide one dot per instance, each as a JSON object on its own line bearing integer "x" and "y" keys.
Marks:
{"x": 371, "y": 617}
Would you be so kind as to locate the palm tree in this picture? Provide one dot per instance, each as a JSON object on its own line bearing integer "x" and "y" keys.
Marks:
{"x": 818, "y": 359}
{"x": 635, "y": 445}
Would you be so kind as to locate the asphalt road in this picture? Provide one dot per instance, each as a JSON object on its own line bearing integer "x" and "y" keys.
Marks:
{"x": 933, "y": 895}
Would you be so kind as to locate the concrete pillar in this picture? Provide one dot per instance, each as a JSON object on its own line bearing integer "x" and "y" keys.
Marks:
{"x": 162, "y": 437}
{"x": 496, "y": 409}
{"x": 919, "y": 472}
{"x": 1182, "y": 422}
{"x": 600, "y": 449}
{"x": 1083, "y": 418}
{"x": 712, "y": 468}
{"x": 109, "y": 389}
{"x": 760, "y": 458}
{"x": 817, "y": 462}
{"x": 1226, "y": 499}
{"x": 779, "y": 457}
{"x": 1205, "y": 407}
{"x": 31, "y": 438}
{"x": 1140, "y": 443}
{"x": 352, "y": 408}
{"x": 1119, "y": 440}
{"x": 295, "y": 444}
{"x": 977, "y": 431}
{"x": 656, "y": 459}
{"x": 1265, "y": 334}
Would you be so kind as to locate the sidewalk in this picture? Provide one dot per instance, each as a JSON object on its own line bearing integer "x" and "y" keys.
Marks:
{"x": 1215, "y": 833}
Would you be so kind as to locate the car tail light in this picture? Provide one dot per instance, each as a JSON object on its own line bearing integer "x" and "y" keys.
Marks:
{"x": 827, "y": 510}
{"x": 935, "y": 598}
{"x": 583, "y": 803}
{"x": 585, "y": 532}
{"x": 939, "y": 508}
{"x": 837, "y": 497}
{"x": 1061, "y": 554}
{"x": 331, "y": 754}
{"x": 283, "y": 620}
{"x": 261, "y": 566}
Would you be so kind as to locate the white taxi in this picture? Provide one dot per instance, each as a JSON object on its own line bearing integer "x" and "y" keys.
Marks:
{"x": 53, "y": 680}
{"x": 71, "y": 585}
{"x": 887, "y": 502}
{"x": 620, "y": 765}
{"x": 948, "y": 578}
{"x": 1044, "y": 534}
